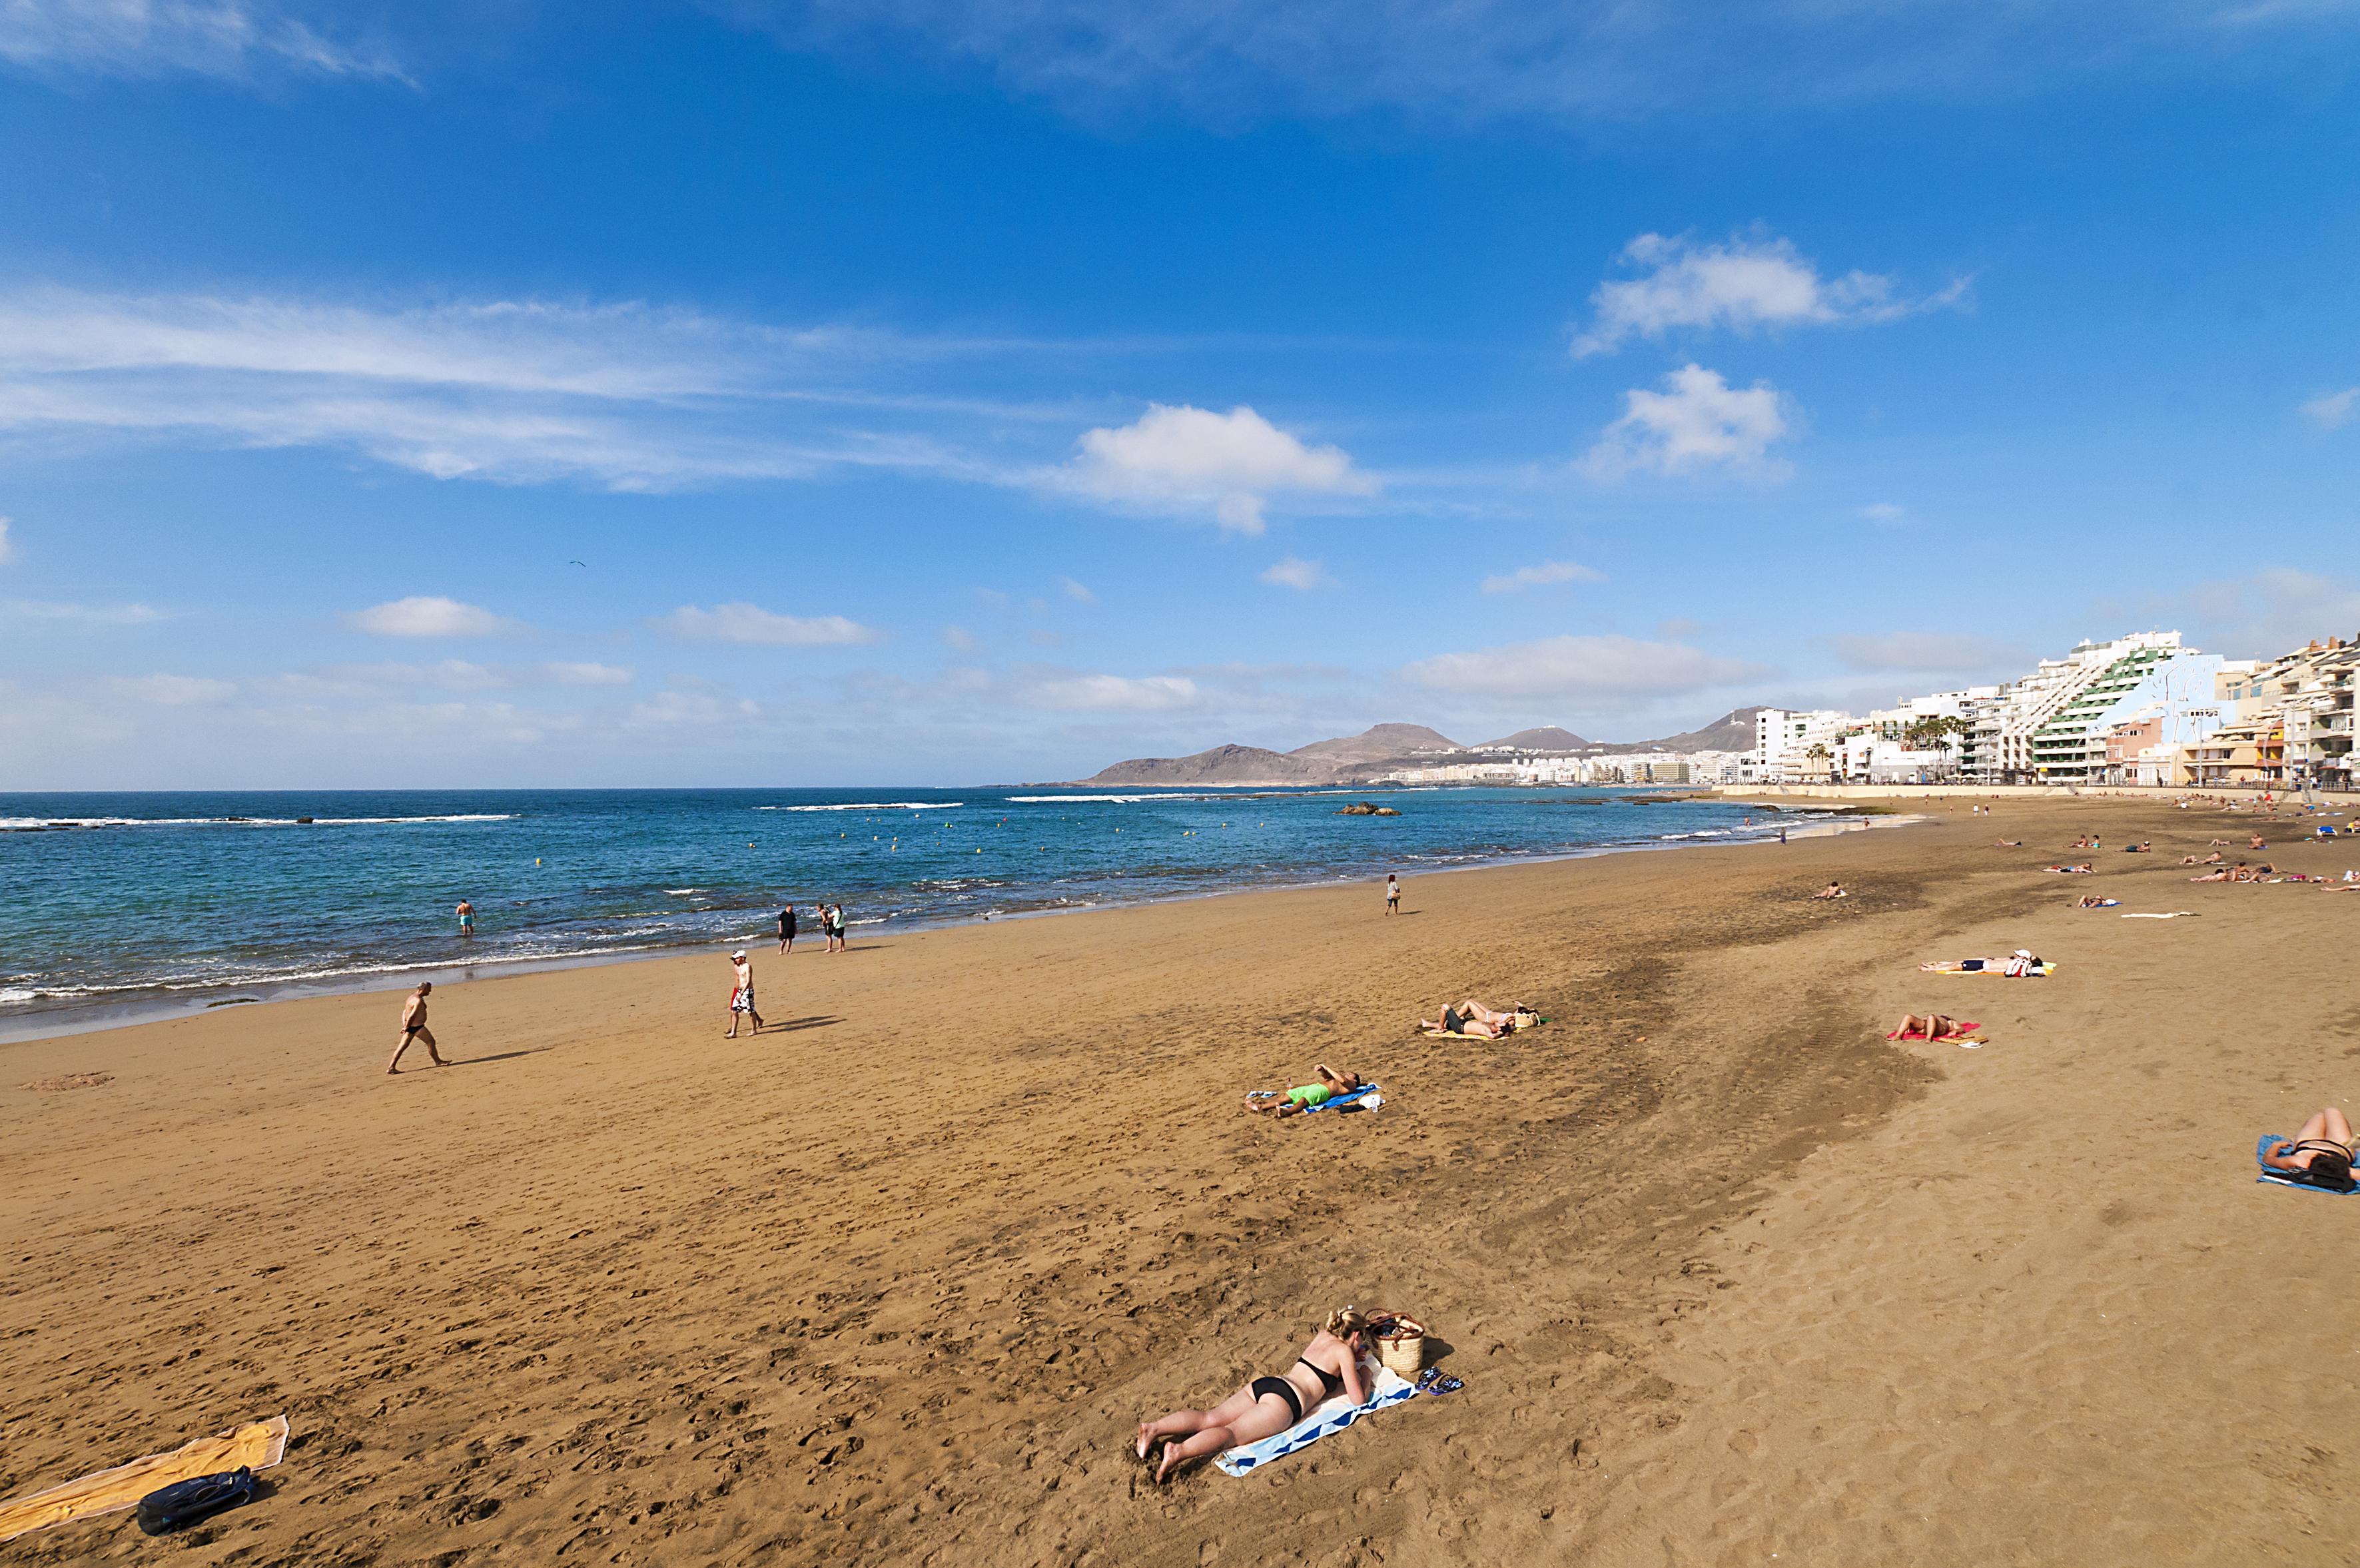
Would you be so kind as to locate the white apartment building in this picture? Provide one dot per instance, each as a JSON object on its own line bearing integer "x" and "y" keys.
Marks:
{"x": 1797, "y": 748}
{"x": 2006, "y": 731}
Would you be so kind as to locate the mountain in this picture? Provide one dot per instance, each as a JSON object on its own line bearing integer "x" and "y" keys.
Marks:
{"x": 1321, "y": 762}
{"x": 1734, "y": 731}
{"x": 1379, "y": 743}
{"x": 1220, "y": 765}
{"x": 1548, "y": 737}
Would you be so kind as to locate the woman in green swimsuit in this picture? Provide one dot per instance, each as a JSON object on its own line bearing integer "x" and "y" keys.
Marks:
{"x": 1307, "y": 1096}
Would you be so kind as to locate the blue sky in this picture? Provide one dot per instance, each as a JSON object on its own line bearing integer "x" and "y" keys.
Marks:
{"x": 951, "y": 393}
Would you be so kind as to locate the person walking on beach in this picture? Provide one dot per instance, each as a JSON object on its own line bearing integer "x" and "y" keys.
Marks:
{"x": 466, "y": 920}
{"x": 835, "y": 916}
{"x": 741, "y": 1000}
{"x": 413, "y": 1027}
{"x": 1392, "y": 894}
{"x": 787, "y": 928}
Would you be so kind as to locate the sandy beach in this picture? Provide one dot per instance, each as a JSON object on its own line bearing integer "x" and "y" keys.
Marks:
{"x": 1728, "y": 1276}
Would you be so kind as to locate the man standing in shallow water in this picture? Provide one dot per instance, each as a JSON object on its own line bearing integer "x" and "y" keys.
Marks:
{"x": 466, "y": 919}
{"x": 413, "y": 1027}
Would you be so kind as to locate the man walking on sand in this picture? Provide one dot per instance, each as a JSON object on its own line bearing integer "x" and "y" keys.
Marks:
{"x": 1392, "y": 894}
{"x": 741, "y": 1000}
{"x": 413, "y": 1027}
{"x": 466, "y": 919}
{"x": 787, "y": 928}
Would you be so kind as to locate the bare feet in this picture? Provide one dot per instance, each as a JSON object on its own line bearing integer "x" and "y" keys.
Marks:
{"x": 1171, "y": 1457}
{"x": 1146, "y": 1436}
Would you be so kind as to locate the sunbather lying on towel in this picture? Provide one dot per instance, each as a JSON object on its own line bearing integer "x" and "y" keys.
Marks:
{"x": 1472, "y": 1016}
{"x": 2082, "y": 870}
{"x": 1932, "y": 1027}
{"x": 2092, "y": 902}
{"x": 1833, "y": 890}
{"x": 2240, "y": 872}
{"x": 2323, "y": 1148}
{"x": 2019, "y": 963}
{"x": 1267, "y": 1405}
{"x": 2212, "y": 859}
{"x": 1298, "y": 1100}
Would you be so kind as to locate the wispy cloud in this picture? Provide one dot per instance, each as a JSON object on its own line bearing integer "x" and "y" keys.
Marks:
{"x": 2333, "y": 409}
{"x": 1541, "y": 576}
{"x": 1882, "y": 512}
{"x": 751, "y": 625}
{"x": 1293, "y": 572}
{"x": 430, "y": 615}
{"x": 1486, "y": 60}
{"x": 173, "y": 691}
{"x": 51, "y": 612}
{"x": 1112, "y": 694}
{"x": 1743, "y": 285}
{"x": 1951, "y": 653}
{"x": 1187, "y": 459}
{"x": 233, "y": 38}
{"x": 1074, "y": 591}
{"x": 7, "y": 550}
{"x": 1697, "y": 423}
{"x": 1592, "y": 669}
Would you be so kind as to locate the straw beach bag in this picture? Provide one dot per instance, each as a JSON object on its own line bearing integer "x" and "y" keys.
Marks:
{"x": 1401, "y": 1343}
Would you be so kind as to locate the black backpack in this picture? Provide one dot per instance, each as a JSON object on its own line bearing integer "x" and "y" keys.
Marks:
{"x": 184, "y": 1503}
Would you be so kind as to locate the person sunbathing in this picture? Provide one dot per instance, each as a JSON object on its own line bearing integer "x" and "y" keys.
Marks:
{"x": 2256, "y": 843}
{"x": 2212, "y": 859}
{"x": 2324, "y": 1149}
{"x": 2011, "y": 844}
{"x": 2092, "y": 902}
{"x": 1329, "y": 1365}
{"x": 1307, "y": 1096}
{"x": 2240, "y": 872}
{"x": 2019, "y": 963}
{"x": 1472, "y": 1016}
{"x": 1833, "y": 890}
{"x": 2084, "y": 869}
{"x": 1931, "y": 1028}
{"x": 2146, "y": 848}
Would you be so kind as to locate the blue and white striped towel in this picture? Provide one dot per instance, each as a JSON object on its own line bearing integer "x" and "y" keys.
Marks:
{"x": 1335, "y": 1415}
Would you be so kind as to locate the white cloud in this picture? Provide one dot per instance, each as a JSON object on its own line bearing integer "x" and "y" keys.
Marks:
{"x": 1882, "y": 512}
{"x": 78, "y": 614}
{"x": 961, "y": 639}
{"x": 1547, "y": 572}
{"x": 1745, "y": 285}
{"x": 1297, "y": 573}
{"x": 1698, "y": 421}
{"x": 1074, "y": 590}
{"x": 2334, "y": 408}
{"x": 1184, "y": 458}
{"x": 231, "y": 38}
{"x": 586, "y": 674}
{"x": 751, "y": 625}
{"x": 173, "y": 691}
{"x": 2266, "y": 613}
{"x": 429, "y": 615}
{"x": 1925, "y": 652}
{"x": 1114, "y": 693}
{"x": 6, "y": 549}
{"x": 1599, "y": 667}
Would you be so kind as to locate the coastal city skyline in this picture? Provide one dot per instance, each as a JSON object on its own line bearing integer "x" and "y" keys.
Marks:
{"x": 746, "y": 394}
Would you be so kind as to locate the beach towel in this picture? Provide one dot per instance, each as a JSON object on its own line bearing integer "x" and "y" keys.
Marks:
{"x": 2103, "y": 904}
{"x": 1366, "y": 1096}
{"x": 2172, "y": 916}
{"x": 2280, "y": 1179}
{"x": 2036, "y": 970}
{"x": 256, "y": 1445}
{"x": 1333, "y": 1416}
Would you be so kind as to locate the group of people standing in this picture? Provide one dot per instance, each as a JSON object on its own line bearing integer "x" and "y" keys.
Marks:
{"x": 831, "y": 926}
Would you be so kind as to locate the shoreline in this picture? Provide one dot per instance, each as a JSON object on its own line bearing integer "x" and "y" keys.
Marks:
{"x": 57, "y": 1023}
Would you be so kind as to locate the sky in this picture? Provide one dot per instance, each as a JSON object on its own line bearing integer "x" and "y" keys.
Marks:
{"x": 849, "y": 392}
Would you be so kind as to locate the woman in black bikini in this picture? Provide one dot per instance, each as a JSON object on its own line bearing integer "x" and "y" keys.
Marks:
{"x": 2324, "y": 1149}
{"x": 1267, "y": 1405}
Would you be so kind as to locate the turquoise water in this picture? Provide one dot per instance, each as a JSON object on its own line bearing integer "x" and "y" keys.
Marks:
{"x": 136, "y": 904}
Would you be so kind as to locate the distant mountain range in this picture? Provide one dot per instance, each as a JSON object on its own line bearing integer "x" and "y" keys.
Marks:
{"x": 1351, "y": 759}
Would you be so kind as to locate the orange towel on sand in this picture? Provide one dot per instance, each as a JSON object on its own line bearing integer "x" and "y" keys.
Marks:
{"x": 258, "y": 1446}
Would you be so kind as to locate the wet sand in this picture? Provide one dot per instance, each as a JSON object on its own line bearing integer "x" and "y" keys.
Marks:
{"x": 1727, "y": 1274}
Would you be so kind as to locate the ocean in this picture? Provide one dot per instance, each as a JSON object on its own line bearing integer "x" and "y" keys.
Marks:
{"x": 116, "y": 907}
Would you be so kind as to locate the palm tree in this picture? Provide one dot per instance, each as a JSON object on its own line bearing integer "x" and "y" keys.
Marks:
{"x": 1819, "y": 754}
